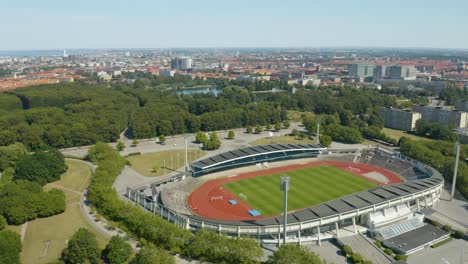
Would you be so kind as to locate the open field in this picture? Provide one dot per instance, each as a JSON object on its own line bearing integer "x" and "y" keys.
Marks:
{"x": 173, "y": 160}
{"x": 53, "y": 232}
{"x": 397, "y": 134}
{"x": 281, "y": 140}
{"x": 308, "y": 187}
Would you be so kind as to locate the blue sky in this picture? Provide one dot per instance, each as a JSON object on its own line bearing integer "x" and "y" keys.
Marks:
{"x": 65, "y": 24}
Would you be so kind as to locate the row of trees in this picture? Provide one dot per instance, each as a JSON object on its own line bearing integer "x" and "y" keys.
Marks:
{"x": 204, "y": 245}
{"x": 439, "y": 155}
{"x": 83, "y": 248}
{"x": 434, "y": 130}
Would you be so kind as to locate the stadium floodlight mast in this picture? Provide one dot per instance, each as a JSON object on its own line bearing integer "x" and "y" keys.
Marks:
{"x": 455, "y": 170}
{"x": 317, "y": 138}
{"x": 284, "y": 186}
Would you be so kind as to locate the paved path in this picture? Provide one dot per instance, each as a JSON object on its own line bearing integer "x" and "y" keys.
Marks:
{"x": 24, "y": 228}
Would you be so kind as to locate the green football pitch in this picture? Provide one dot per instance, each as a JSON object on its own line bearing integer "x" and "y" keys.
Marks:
{"x": 308, "y": 187}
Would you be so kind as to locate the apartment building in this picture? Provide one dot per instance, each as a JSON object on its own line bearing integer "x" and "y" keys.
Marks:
{"x": 399, "y": 119}
{"x": 454, "y": 118}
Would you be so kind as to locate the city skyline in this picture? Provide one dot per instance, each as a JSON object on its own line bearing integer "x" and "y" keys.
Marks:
{"x": 52, "y": 24}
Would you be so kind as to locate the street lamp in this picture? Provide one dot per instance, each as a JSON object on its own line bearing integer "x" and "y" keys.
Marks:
{"x": 284, "y": 187}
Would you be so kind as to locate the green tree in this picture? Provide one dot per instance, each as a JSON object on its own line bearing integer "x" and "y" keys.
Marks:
{"x": 258, "y": 129}
{"x": 41, "y": 167}
{"x": 81, "y": 248}
{"x": 135, "y": 142}
{"x": 277, "y": 127}
{"x": 120, "y": 145}
{"x": 150, "y": 254}
{"x": 162, "y": 139}
{"x": 9, "y": 155}
{"x": 268, "y": 127}
{"x": 295, "y": 133}
{"x": 3, "y": 222}
{"x": 117, "y": 251}
{"x": 10, "y": 247}
{"x": 201, "y": 137}
{"x": 248, "y": 129}
{"x": 213, "y": 143}
{"x": 286, "y": 124}
{"x": 294, "y": 254}
{"x": 231, "y": 134}
{"x": 325, "y": 140}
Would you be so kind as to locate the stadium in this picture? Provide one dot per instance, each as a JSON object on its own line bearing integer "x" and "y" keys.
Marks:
{"x": 335, "y": 193}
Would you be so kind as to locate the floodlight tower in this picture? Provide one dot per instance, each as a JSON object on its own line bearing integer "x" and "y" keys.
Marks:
{"x": 284, "y": 186}
{"x": 317, "y": 138}
{"x": 455, "y": 170}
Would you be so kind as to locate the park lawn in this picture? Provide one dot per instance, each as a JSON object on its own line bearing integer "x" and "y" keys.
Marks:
{"x": 296, "y": 116}
{"x": 308, "y": 187}
{"x": 281, "y": 140}
{"x": 56, "y": 230}
{"x": 397, "y": 134}
{"x": 174, "y": 159}
{"x": 76, "y": 177}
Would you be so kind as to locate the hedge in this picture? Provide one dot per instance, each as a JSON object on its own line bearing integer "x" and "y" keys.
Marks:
{"x": 441, "y": 242}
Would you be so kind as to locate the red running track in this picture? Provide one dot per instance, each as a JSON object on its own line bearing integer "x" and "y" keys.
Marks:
{"x": 211, "y": 200}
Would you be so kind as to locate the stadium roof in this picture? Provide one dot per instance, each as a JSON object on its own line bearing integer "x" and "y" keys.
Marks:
{"x": 344, "y": 204}
{"x": 252, "y": 152}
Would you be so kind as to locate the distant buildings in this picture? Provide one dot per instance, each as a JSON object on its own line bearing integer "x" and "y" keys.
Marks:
{"x": 402, "y": 72}
{"x": 454, "y": 118}
{"x": 461, "y": 105}
{"x": 399, "y": 119}
{"x": 166, "y": 73}
{"x": 182, "y": 63}
{"x": 361, "y": 70}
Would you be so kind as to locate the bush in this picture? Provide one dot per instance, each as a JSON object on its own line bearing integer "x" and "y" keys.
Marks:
{"x": 356, "y": 258}
{"x": 378, "y": 244}
{"x": 458, "y": 234}
{"x": 447, "y": 228}
{"x": 134, "y": 154}
{"x": 401, "y": 257}
{"x": 388, "y": 251}
{"x": 248, "y": 129}
{"x": 348, "y": 250}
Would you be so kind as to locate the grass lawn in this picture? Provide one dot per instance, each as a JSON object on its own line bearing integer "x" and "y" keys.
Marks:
{"x": 309, "y": 186}
{"x": 174, "y": 159}
{"x": 53, "y": 232}
{"x": 296, "y": 116}
{"x": 281, "y": 140}
{"x": 397, "y": 134}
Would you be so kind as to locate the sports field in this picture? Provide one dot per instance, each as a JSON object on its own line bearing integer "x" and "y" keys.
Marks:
{"x": 308, "y": 187}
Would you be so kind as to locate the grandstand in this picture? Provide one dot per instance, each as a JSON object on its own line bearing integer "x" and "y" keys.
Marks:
{"x": 370, "y": 210}
{"x": 254, "y": 155}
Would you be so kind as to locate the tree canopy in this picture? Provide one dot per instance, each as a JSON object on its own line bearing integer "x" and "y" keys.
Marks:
{"x": 117, "y": 251}
{"x": 10, "y": 247}
{"x": 81, "y": 248}
{"x": 41, "y": 167}
{"x": 294, "y": 254}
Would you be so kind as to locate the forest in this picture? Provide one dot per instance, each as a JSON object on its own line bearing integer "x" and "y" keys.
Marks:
{"x": 77, "y": 114}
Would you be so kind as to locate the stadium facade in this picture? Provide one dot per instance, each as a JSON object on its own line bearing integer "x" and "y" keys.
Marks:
{"x": 367, "y": 211}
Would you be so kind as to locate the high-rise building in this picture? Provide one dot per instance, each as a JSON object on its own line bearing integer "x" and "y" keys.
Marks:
{"x": 380, "y": 71}
{"x": 402, "y": 72}
{"x": 399, "y": 119}
{"x": 454, "y": 118}
{"x": 361, "y": 70}
{"x": 183, "y": 63}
